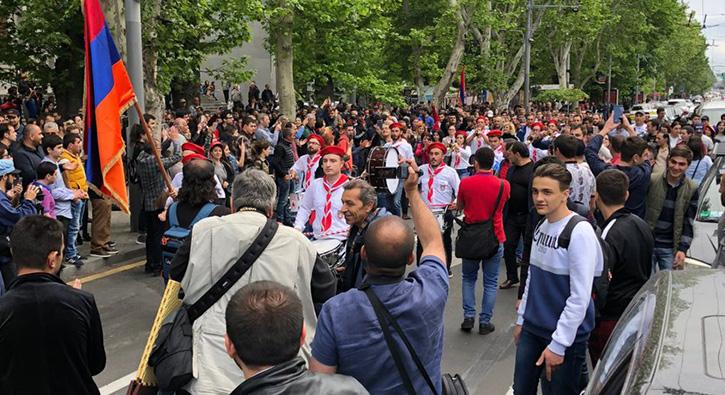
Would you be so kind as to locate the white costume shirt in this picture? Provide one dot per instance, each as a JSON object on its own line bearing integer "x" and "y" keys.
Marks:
{"x": 439, "y": 187}
{"x": 305, "y": 167}
{"x": 460, "y": 159}
{"x": 327, "y": 224}
{"x": 475, "y": 143}
{"x": 405, "y": 150}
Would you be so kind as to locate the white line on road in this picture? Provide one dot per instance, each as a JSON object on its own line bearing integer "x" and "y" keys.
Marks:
{"x": 119, "y": 384}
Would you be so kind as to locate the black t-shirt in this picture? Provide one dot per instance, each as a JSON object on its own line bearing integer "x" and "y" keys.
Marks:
{"x": 519, "y": 177}
{"x": 186, "y": 213}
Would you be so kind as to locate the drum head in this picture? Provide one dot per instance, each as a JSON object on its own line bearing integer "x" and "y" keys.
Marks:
{"x": 391, "y": 160}
{"x": 325, "y": 246}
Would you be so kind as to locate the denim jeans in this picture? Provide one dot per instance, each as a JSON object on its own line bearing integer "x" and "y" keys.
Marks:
{"x": 76, "y": 209}
{"x": 567, "y": 377}
{"x": 397, "y": 200}
{"x": 282, "y": 211}
{"x": 662, "y": 259}
{"x": 490, "y": 285}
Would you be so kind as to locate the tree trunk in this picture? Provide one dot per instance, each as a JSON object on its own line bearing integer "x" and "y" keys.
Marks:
{"x": 281, "y": 32}
{"x": 502, "y": 100}
{"x": 441, "y": 88}
{"x": 115, "y": 15}
{"x": 561, "y": 63}
{"x": 154, "y": 97}
{"x": 418, "y": 73}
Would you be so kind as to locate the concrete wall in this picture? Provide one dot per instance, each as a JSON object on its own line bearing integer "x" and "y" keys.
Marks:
{"x": 259, "y": 60}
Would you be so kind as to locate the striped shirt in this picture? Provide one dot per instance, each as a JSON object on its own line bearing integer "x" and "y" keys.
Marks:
{"x": 663, "y": 228}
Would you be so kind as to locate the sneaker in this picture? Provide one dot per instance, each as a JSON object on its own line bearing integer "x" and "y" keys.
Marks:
{"x": 467, "y": 324}
{"x": 100, "y": 253}
{"x": 110, "y": 250}
{"x": 485, "y": 328}
{"x": 508, "y": 284}
{"x": 76, "y": 261}
{"x": 111, "y": 244}
{"x": 141, "y": 239}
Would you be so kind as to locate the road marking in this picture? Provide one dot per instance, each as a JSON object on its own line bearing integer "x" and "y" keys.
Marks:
{"x": 118, "y": 385}
{"x": 115, "y": 270}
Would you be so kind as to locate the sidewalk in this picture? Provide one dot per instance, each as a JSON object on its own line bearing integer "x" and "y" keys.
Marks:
{"x": 126, "y": 243}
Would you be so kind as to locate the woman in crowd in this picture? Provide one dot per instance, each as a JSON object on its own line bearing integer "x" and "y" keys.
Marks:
{"x": 222, "y": 167}
{"x": 261, "y": 150}
{"x": 701, "y": 163}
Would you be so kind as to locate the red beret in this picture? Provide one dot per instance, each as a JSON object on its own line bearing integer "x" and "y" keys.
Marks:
{"x": 481, "y": 118}
{"x": 192, "y": 147}
{"x": 539, "y": 124}
{"x": 495, "y": 133}
{"x": 317, "y": 138}
{"x": 215, "y": 143}
{"x": 332, "y": 149}
{"x": 552, "y": 121}
{"x": 190, "y": 157}
{"x": 436, "y": 145}
{"x": 396, "y": 125}
{"x": 462, "y": 133}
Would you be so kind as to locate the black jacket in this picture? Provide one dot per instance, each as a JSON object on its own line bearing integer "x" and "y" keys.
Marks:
{"x": 51, "y": 340}
{"x": 629, "y": 244}
{"x": 27, "y": 160}
{"x": 283, "y": 158}
{"x": 293, "y": 378}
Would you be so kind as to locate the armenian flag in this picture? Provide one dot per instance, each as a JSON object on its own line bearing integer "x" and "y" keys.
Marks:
{"x": 462, "y": 89}
{"x": 108, "y": 93}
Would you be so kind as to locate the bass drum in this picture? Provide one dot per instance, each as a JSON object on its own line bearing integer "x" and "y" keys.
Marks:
{"x": 380, "y": 161}
{"x": 331, "y": 251}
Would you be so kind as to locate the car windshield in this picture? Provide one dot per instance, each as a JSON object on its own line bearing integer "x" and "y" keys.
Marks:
{"x": 713, "y": 113}
{"x": 710, "y": 207}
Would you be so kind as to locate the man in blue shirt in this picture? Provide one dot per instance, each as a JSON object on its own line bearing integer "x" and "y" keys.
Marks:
{"x": 349, "y": 339}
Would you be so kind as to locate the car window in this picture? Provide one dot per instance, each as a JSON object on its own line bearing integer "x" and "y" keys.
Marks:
{"x": 624, "y": 345}
{"x": 710, "y": 208}
{"x": 713, "y": 113}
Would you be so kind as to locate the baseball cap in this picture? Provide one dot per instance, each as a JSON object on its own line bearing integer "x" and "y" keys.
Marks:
{"x": 7, "y": 167}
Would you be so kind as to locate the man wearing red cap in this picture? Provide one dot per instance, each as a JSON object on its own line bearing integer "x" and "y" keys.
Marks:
{"x": 460, "y": 154}
{"x": 324, "y": 196}
{"x": 405, "y": 152}
{"x": 495, "y": 143}
{"x": 305, "y": 168}
{"x": 189, "y": 152}
{"x": 439, "y": 188}
{"x": 477, "y": 137}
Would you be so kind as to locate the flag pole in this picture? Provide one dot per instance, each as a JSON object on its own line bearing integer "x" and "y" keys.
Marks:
{"x": 150, "y": 139}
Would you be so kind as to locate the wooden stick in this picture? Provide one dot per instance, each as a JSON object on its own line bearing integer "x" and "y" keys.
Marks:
{"x": 150, "y": 139}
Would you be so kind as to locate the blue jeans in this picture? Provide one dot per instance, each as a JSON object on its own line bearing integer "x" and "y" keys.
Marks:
{"x": 391, "y": 201}
{"x": 283, "y": 188}
{"x": 76, "y": 209}
{"x": 662, "y": 259}
{"x": 490, "y": 285}
{"x": 567, "y": 377}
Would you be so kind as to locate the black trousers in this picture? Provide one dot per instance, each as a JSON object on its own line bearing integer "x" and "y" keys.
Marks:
{"x": 447, "y": 244}
{"x": 154, "y": 232}
{"x": 514, "y": 227}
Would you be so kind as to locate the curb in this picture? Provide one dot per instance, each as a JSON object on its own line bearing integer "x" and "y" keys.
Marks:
{"x": 96, "y": 265}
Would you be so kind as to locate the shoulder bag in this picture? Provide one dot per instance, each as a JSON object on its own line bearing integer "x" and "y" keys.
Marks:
{"x": 171, "y": 356}
{"x": 478, "y": 240}
{"x": 451, "y": 384}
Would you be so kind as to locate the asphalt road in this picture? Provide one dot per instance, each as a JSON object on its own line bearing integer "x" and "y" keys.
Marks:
{"x": 128, "y": 301}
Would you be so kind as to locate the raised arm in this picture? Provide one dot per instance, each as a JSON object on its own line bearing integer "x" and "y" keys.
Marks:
{"x": 426, "y": 226}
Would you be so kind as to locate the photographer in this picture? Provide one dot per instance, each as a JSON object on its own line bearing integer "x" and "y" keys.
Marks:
{"x": 10, "y": 187}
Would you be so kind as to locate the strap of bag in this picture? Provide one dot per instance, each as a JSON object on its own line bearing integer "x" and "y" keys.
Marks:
{"x": 234, "y": 273}
{"x": 384, "y": 317}
{"x": 173, "y": 218}
{"x": 565, "y": 235}
{"x": 203, "y": 213}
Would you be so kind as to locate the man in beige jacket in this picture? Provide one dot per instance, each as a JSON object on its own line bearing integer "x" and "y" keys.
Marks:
{"x": 214, "y": 246}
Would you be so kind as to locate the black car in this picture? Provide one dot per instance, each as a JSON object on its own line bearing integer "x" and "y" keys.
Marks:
{"x": 670, "y": 340}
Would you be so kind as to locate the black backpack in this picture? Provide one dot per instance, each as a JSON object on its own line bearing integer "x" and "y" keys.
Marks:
{"x": 601, "y": 283}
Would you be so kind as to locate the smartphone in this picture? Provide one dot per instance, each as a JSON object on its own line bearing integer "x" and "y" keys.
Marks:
{"x": 618, "y": 113}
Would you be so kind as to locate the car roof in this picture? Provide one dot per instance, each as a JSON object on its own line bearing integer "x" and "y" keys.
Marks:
{"x": 714, "y": 104}
{"x": 690, "y": 326}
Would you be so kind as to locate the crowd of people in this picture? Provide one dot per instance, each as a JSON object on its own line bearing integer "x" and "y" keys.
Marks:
{"x": 581, "y": 208}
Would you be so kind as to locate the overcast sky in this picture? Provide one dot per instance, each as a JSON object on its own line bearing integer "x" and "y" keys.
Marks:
{"x": 715, "y": 11}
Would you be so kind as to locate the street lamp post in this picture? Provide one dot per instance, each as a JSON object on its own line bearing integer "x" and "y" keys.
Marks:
{"x": 530, "y": 7}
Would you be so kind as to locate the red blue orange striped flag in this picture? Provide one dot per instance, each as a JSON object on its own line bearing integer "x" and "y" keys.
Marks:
{"x": 108, "y": 93}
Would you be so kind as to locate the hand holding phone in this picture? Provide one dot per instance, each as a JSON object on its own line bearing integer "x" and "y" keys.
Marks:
{"x": 618, "y": 112}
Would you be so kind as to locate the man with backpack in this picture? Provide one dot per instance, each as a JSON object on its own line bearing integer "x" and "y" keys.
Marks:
{"x": 194, "y": 203}
{"x": 628, "y": 256}
{"x": 556, "y": 314}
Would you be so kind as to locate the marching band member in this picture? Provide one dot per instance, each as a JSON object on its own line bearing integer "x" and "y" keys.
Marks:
{"x": 460, "y": 154}
{"x": 477, "y": 136}
{"x": 393, "y": 202}
{"x": 324, "y": 196}
{"x": 439, "y": 188}
{"x": 305, "y": 168}
{"x": 494, "y": 141}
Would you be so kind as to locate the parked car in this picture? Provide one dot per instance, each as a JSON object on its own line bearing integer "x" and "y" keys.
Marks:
{"x": 713, "y": 109}
{"x": 709, "y": 209}
{"x": 670, "y": 340}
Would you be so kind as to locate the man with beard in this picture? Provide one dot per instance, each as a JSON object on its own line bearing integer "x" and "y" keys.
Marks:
{"x": 306, "y": 167}
{"x": 439, "y": 188}
{"x": 405, "y": 152}
{"x": 359, "y": 206}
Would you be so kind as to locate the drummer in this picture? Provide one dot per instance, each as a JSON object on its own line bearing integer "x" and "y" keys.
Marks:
{"x": 306, "y": 167}
{"x": 324, "y": 196}
{"x": 496, "y": 144}
{"x": 439, "y": 188}
{"x": 393, "y": 201}
{"x": 460, "y": 154}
